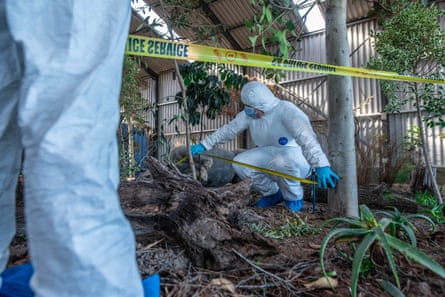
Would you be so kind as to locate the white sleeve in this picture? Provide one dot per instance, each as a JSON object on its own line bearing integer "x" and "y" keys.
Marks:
{"x": 298, "y": 123}
{"x": 227, "y": 132}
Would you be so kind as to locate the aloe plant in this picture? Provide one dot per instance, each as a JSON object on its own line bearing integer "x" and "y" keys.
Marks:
{"x": 402, "y": 224}
{"x": 369, "y": 231}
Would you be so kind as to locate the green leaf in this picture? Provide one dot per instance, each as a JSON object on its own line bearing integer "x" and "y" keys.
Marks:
{"x": 409, "y": 231}
{"x": 367, "y": 216}
{"x": 263, "y": 15}
{"x": 387, "y": 248}
{"x": 248, "y": 23}
{"x": 425, "y": 218}
{"x": 390, "y": 288}
{"x": 253, "y": 40}
{"x": 352, "y": 221}
{"x": 140, "y": 27}
{"x": 290, "y": 26}
{"x": 416, "y": 255}
{"x": 337, "y": 232}
{"x": 386, "y": 213}
{"x": 358, "y": 259}
{"x": 268, "y": 14}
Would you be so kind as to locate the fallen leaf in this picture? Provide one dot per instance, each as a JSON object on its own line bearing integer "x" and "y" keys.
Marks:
{"x": 314, "y": 246}
{"x": 323, "y": 283}
{"x": 224, "y": 284}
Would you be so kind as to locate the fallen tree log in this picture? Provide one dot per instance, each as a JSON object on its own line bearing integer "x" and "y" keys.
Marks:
{"x": 374, "y": 196}
{"x": 208, "y": 223}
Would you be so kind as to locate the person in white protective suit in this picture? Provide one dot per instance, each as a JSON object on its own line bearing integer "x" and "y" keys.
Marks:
{"x": 60, "y": 76}
{"x": 285, "y": 142}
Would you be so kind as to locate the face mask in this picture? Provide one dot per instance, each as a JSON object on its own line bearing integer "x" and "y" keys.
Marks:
{"x": 250, "y": 111}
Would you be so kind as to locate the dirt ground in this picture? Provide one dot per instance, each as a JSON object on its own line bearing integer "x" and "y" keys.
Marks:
{"x": 286, "y": 273}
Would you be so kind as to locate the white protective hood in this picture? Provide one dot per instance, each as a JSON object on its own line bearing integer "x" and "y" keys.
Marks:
{"x": 259, "y": 96}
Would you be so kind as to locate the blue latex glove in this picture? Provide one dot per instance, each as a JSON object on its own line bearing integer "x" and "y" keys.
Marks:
{"x": 197, "y": 149}
{"x": 326, "y": 177}
{"x": 16, "y": 281}
{"x": 152, "y": 286}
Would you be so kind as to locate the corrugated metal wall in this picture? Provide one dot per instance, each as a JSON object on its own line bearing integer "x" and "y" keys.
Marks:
{"x": 171, "y": 133}
{"x": 309, "y": 91}
{"x": 149, "y": 92}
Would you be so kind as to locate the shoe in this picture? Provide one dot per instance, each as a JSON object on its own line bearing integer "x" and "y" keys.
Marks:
{"x": 295, "y": 205}
{"x": 270, "y": 200}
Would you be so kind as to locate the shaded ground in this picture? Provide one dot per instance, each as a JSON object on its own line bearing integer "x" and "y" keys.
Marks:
{"x": 286, "y": 273}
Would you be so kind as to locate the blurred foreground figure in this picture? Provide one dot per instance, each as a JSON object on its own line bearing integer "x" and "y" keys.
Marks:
{"x": 60, "y": 77}
{"x": 285, "y": 142}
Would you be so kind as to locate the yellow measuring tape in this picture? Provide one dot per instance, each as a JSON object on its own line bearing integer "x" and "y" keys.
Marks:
{"x": 162, "y": 48}
{"x": 265, "y": 170}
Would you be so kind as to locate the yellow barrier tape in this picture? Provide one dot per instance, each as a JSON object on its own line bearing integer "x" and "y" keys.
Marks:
{"x": 265, "y": 170}
{"x": 161, "y": 48}
{"x": 182, "y": 160}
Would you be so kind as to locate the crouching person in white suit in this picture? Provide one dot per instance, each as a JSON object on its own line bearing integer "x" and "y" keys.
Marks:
{"x": 285, "y": 142}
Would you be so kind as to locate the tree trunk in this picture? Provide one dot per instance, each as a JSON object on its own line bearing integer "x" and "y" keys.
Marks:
{"x": 130, "y": 174}
{"x": 186, "y": 122}
{"x": 425, "y": 151}
{"x": 343, "y": 200}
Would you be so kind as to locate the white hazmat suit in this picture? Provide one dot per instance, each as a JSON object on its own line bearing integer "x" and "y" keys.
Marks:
{"x": 60, "y": 75}
{"x": 284, "y": 139}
